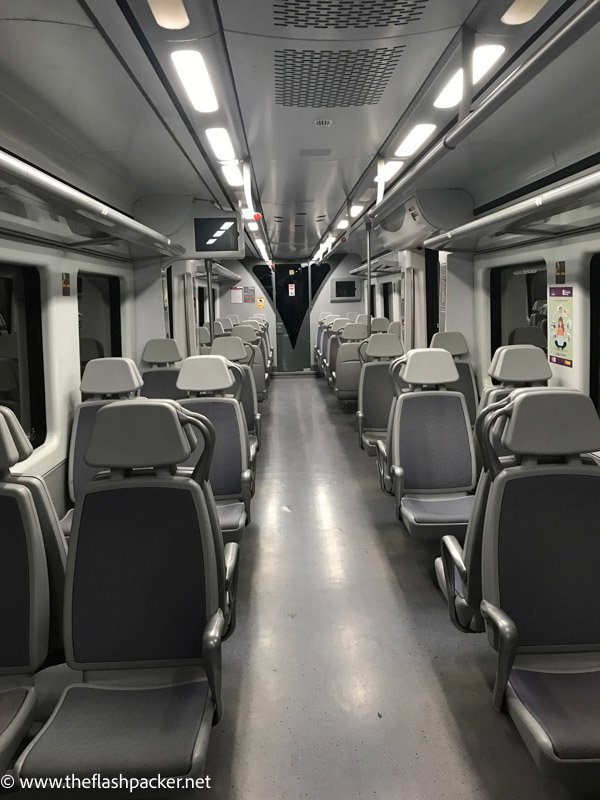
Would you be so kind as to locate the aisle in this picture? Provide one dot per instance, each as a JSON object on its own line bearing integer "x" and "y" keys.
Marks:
{"x": 344, "y": 678}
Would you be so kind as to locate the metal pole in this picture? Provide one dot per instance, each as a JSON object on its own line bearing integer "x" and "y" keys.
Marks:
{"x": 211, "y": 308}
{"x": 368, "y": 227}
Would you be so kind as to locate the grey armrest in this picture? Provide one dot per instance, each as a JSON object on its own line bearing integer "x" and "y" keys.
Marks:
{"x": 247, "y": 480}
{"x": 506, "y": 641}
{"x": 453, "y": 561}
{"x": 211, "y": 656}
{"x": 360, "y": 419}
{"x": 231, "y": 553}
{"x": 397, "y": 488}
{"x": 257, "y": 427}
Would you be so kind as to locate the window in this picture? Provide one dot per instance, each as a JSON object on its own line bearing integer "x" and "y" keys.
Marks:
{"x": 387, "y": 300}
{"x": 517, "y": 300}
{"x": 373, "y": 297}
{"x": 22, "y": 387}
{"x": 200, "y": 299}
{"x": 99, "y": 299}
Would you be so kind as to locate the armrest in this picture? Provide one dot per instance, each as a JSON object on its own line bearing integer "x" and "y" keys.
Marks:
{"x": 231, "y": 552}
{"x": 506, "y": 641}
{"x": 397, "y": 489}
{"x": 257, "y": 426}
{"x": 453, "y": 561}
{"x": 211, "y": 656}
{"x": 247, "y": 490}
{"x": 360, "y": 419}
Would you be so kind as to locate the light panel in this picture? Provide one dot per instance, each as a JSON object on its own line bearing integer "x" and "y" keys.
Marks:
{"x": 342, "y": 224}
{"x": 194, "y": 76}
{"x": 169, "y": 14}
{"x": 220, "y": 142}
{"x": 233, "y": 174}
{"x": 522, "y": 11}
{"x": 415, "y": 139}
{"x": 356, "y": 210}
{"x": 253, "y": 226}
{"x": 389, "y": 169}
{"x": 484, "y": 58}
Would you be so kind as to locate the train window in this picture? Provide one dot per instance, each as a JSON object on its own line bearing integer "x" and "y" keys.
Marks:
{"x": 200, "y": 300}
{"x": 318, "y": 273}
{"x": 432, "y": 292}
{"x": 517, "y": 299}
{"x": 22, "y": 386}
{"x": 99, "y": 299}
{"x": 387, "y": 300}
{"x": 373, "y": 300}
{"x": 595, "y": 330}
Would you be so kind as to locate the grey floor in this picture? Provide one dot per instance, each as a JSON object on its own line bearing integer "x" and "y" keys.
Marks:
{"x": 344, "y": 678}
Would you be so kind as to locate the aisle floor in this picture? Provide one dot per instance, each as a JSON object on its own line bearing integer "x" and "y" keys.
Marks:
{"x": 344, "y": 678}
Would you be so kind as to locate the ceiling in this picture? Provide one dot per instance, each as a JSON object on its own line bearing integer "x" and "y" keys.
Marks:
{"x": 313, "y": 92}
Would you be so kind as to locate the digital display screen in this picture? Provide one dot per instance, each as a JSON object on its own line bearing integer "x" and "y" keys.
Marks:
{"x": 217, "y": 234}
{"x": 345, "y": 288}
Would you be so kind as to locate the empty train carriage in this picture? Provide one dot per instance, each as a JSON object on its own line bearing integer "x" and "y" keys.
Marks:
{"x": 299, "y": 379}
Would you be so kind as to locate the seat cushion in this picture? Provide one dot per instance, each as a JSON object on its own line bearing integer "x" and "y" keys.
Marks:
{"x": 452, "y": 511}
{"x": 566, "y": 705}
{"x": 11, "y": 701}
{"x": 17, "y": 708}
{"x": 135, "y": 732}
{"x": 232, "y": 516}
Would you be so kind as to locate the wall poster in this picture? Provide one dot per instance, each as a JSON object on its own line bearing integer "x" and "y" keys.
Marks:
{"x": 249, "y": 294}
{"x": 236, "y": 295}
{"x": 560, "y": 325}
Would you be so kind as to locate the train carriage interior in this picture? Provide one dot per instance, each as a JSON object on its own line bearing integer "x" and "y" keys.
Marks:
{"x": 299, "y": 394}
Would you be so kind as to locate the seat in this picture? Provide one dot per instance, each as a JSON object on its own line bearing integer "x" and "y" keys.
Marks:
{"x": 375, "y": 389}
{"x": 24, "y": 599}
{"x": 321, "y": 339}
{"x": 9, "y": 385}
{"x": 395, "y": 328}
{"x": 248, "y": 334}
{"x": 540, "y": 554}
{"x": 362, "y": 319}
{"x": 428, "y": 459}
{"x": 234, "y": 319}
{"x": 203, "y": 339}
{"x": 207, "y": 380}
{"x": 513, "y": 366}
{"x": 160, "y": 381}
{"x": 55, "y": 545}
{"x": 267, "y": 353}
{"x": 218, "y": 330}
{"x": 241, "y": 353}
{"x": 348, "y": 365}
{"x": 103, "y": 381}
{"x": 528, "y": 334}
{"x": 455, "y": 343}
{"x": 333, "y": 346}
{"x": 352, "y": 316}
{"x": 151, "y": 685}
{"x": 226, "y": 324}
{"x": 380, "y": 324}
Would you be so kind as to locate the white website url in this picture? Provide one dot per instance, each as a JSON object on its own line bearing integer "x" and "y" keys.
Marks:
{"x": 98, "y": 781}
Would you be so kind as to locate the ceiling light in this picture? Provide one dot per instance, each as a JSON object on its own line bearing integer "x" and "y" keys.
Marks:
{"x": 484, "y": 58}
{"x": 355, "y": 210}
{"x": 218, "y": 233}
{"x": 233, "y": 174}
{"x": 415, "y": 139}
{"x": 219, "y": 140}
{"x": 211, "y": 241}
{"x": 196, "y": 81}
{"x": 253, "y": 226}
{"x": 247, "y": 213}
{"x": 522, "y": 11}
{"x": 389, "y": 169}
{"x": 342, "y": 224}
{"x": 169, "y": 14}
{"x": 226, "y": 225}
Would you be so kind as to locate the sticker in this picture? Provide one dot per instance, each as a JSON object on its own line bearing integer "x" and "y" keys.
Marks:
{"x": 291, "y": 272}
{"x": 66, "y": 284}
{"x": 249, "y": 294}
{"x": 260, "y": 302}
{"x": 560, "y": 272}
{"x": 292, "y": 289}
{"x": 236, "y": 295}
{"x": 560, "y": 325}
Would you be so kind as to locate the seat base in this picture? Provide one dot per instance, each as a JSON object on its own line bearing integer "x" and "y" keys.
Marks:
{"x": 233, "y": 518}
{"x": 136, "y": 732}
{"x": 17, "y": 708}
{"x": 432, "y": 518}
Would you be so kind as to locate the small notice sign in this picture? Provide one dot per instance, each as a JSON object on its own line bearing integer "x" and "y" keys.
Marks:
{"x": 66, "y": 284}
{"x": 236, "y": 295}
{"x": 292, "y": 289}
{"x": 249, "y": 294}
{"x": 260, "y": 302}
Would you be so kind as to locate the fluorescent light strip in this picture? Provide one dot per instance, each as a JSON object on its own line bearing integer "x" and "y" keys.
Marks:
{"x": 211, "y": 241}
{"x": 233, "y": 174}
{"x": 247, "y": 213}
{"x": 484, "y": 58}
{"x": 342, "y": 224}
{"x": 390, "y": 168}
{"x": 356, "y": 210}
{"x": 522, "y": 11}
{"x": 226, "y": 225}
{"x": 220, "y": 142}
{"x": 194, "y": 76}
{"x": 253, "y": 226}
{"x": 169, "y": 14}
{"x": 415, "y": 139}
{"x": 219, "y": 233}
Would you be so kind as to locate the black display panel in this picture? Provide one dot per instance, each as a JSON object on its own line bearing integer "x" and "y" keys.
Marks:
{"x": 216, "y": 235}
{"x": 345, "y": 289}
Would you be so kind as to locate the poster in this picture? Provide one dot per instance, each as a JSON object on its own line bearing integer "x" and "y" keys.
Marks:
{"x": 292, "y": 289}
{"x": 260, "y": 302}
{"x": 249, "y": 294}
{"x": 236, "y": 295}
{"x": 560, "y": 325}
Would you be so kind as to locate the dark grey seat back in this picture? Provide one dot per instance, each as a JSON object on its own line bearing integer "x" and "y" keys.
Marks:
{"x": 456, "y": 344}
{"x": 376, "y": 393}
{"x": 160, "y": 381}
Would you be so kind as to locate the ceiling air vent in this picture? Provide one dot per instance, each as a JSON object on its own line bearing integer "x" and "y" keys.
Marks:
{"x": 333, "y": 78}
{"x": 344, "y": 14}
{"x": 323, "y": 123}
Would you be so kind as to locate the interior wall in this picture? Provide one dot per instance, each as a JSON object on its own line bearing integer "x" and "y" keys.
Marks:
{"x": 459, "y": 305}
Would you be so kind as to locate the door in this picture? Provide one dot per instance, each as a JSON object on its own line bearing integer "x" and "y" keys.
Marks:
{"x": 292, "y": 299}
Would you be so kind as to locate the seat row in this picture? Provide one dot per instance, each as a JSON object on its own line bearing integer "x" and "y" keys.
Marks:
{"x": 117, "y": 657}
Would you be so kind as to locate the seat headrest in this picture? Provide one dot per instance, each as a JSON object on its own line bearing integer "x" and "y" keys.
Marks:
{"x": 8, "y": 375}
{"x": 384, "y": 345}
{"x": 339, "y": 323}
{"x": 379, "y": 324}
{"x": 105, "y": 376}
{"x": 551, "y": 422}
{"x": 363, "y": 319}
{"x": 528, "y": 334}
{"x": 147, "y": 433}
{"x": 161, "y": 351}
{"x": 246, "y": 333}
{"x": 352, "y": 316}
{"x": 322, "y": 315}
{"x": 254, "y": 323}
{"x": 225, "y": 322}
{"x": 17, "y": 433}
{"x": 432, "y": 366}
{"x": 395, "y": 328}
{"x": 9, "y": 346}
{"x": 203, "y": 335}
{"x": 230, "y": 347}
{"x": 353, "y": 332}
{"x": 452, "y": 341}
{"x": 9, "y": 455}
{"x": 519, "y": 363}
{"x": 218, "y": 329}
{"x": 205, "y": 374}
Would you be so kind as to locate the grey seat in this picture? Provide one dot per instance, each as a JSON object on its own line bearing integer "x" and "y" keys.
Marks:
{"x": 24, "y": 600}
{"x": 395, "y": 328}
{"x": 528, "y": 334}
{"x": 455, "y": 343}
{"x": 346, "y": 376}
{"x": 321, "y": 339}
{"x": 234, "y": 319}
{"x": 103, "y": 381}
{"x": 540, "y": 580}
{"x": 267, "y": 353}
{"x": 513, "y": 366}
{"x": 379, "y": 324}
{"x": 333, "y": 345}
{"x": 203, "y": 339}
{"x": 55, "y": 545}
{"x": 428, "y": 459}
{"x": 160, "y": 381}
{"x": 327, "y": 333}
{"x": 241, "y": 353}
{"x": 363, "y": 319}
{"x": 207, "y": 380}
{"x": 250, "y": 335}
{"x": 151, "y": 689}
{"x": 352, "y": 315}
{"x": 376, "y": 389}
{"x": 226, "y": 323}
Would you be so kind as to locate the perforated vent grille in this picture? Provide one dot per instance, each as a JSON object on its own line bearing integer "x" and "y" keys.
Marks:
{"x": 333, "y": 78}
{"x": 342, "y": 14}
